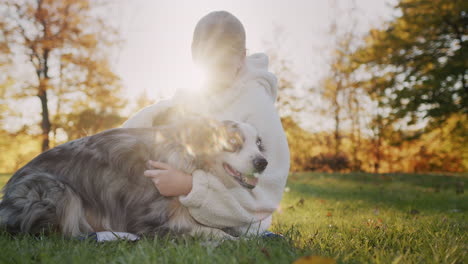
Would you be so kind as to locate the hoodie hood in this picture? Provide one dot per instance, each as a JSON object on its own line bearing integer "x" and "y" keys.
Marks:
{"x": 257, "y": 70}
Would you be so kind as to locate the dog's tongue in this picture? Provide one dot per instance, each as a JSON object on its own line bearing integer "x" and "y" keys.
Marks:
{"x": 231, "y": 170}
{"x": 251, "y": 181}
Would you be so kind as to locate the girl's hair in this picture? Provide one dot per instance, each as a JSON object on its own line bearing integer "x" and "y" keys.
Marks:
{"x": 217, "y": 31}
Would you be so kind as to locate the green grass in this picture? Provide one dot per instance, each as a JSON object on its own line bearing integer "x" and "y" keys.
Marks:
{"x": 353, "y": 218}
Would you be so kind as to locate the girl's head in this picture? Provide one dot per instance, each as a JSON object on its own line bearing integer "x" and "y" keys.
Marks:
{"x": 218, "y": 46}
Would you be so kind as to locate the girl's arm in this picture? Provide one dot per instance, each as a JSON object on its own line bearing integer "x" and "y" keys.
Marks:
{"x": 144, "y": 118}
{"x": 172, "y": 182}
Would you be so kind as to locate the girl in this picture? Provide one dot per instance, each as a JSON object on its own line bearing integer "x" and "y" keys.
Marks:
{"x": 237, "y": 88}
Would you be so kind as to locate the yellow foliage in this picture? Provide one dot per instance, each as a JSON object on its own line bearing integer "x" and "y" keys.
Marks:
{"x": 17, "y": 150}
{"x": 444, "y": 149}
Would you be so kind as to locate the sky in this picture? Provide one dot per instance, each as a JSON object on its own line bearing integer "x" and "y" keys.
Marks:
{"x": 155, "y": 55}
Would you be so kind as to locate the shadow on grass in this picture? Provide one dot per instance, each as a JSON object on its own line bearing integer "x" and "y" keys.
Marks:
{"x": 430, "y": 193}
{"x": 433, "y": 180}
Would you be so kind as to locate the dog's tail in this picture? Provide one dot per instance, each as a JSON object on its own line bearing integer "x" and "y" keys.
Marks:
{"x": 38, "y": 203}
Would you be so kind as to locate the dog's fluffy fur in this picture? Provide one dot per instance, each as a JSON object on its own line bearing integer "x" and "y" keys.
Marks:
{"x": 96, "y": 183}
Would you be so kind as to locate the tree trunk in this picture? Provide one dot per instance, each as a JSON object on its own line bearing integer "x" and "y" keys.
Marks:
{"x": 378, "y": 153}
{"x": 354, "y": 144}
{"x": 337, "y": 134}
{"x": 358, "y": 123}
{"x": 43, "y": 75}
{"x": 45, "y": 124}
{"x": 353, "y": 106}
{"x": 337, "y": 120}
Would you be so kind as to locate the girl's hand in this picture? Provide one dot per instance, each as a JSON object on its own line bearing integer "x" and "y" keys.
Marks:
{"x": 168, "y": 180}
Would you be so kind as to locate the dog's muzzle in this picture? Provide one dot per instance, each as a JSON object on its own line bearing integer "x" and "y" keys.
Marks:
{"x": 259, "y": 164}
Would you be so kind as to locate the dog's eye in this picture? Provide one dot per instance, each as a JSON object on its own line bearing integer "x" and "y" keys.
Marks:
{"x": 260, "y": 144}
{"x": 233, "y": 141}
{"x": 233, "y": 145}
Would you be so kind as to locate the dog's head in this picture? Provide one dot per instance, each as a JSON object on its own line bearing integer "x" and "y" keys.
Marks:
{"x": 232, "y": 151}
{"x": 242, "y": 157}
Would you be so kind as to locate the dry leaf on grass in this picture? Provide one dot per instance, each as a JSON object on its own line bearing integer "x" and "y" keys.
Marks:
{"x": 315, "y": 260}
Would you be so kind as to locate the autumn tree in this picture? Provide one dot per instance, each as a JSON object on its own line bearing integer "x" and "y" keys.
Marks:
{"x": 336, "y": 85}
{"x": 419, "y": 60}
{"x": 143, "y": 100}
{"x": 415, "y": 68}
{"x": 66, "y": 45}
{"x": 339, "y": 87}
{"x": 289, "y": 100}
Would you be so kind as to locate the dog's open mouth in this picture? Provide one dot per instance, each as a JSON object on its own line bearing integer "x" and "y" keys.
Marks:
{"x": 248, "y": 181}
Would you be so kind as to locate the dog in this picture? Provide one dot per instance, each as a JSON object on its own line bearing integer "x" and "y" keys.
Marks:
{"x": 96, "y": 183}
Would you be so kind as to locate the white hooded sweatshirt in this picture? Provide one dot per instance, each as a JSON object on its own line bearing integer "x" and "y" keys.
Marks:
{"x": 251, "y": 99}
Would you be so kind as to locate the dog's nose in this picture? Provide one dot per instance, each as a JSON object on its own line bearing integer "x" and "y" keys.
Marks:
{"x": 260, "y": 164}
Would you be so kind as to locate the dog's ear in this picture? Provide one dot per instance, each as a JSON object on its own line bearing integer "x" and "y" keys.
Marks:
{"x": 230, "y": 125}
{"x": 234, "y": 139}
{"x": 166, "y": 117}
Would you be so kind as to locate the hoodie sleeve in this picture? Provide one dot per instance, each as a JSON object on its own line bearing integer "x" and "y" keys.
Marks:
{"x": 212, "y": 204}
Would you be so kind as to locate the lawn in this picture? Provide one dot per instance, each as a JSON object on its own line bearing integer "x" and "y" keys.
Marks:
{"x": 351, "y": 218}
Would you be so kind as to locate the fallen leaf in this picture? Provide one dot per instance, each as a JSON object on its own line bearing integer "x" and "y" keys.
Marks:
{"x": 265, "y": 252}
{"x": 329, "y": 214}
{"x": 414, "y": 212}
{"x": 375, "y": 224}
{"x": 314, "y": 260}
{"x": 301, "y": 202}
